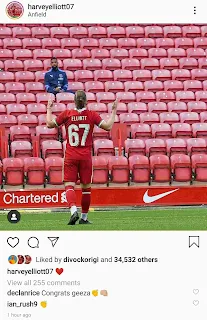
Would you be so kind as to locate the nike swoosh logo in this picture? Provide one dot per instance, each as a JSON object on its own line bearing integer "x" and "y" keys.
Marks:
{"x": 148, "y": 199}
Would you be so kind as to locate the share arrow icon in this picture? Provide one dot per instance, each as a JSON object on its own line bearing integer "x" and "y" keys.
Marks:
{"x": 53, "y": 240}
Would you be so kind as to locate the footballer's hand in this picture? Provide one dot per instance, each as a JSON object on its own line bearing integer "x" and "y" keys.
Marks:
{"x": 50, "y": 102}
{"x": 114, "y": 106}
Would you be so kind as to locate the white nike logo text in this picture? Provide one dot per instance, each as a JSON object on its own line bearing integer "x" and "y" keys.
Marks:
{"x": 148, "y": 199}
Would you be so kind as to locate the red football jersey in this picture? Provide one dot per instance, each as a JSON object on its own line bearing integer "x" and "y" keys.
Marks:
{"x": 79, "y": 126}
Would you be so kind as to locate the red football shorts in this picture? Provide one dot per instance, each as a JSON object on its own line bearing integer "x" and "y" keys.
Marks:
{"x": 75, "y": 168}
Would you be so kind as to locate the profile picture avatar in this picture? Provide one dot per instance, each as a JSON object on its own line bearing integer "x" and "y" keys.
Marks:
{"x": 14, "y": 10}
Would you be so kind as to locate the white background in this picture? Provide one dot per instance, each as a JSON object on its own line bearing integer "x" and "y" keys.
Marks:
{"x": 146, "y": 291}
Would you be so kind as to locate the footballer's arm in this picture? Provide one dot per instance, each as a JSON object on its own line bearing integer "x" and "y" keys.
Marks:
{"x": 107, "y": 125}
{"x": 51, "y": 123}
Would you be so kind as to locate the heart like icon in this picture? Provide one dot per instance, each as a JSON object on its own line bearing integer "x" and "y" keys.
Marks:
{"x": 195, "y": 302}
{"x": 59, "y": 271}
{"x": 195, "y": 291}
{"x": 43, "y": 304}
{"x": 95, "y": 293}
{"x": 13, "y": 242}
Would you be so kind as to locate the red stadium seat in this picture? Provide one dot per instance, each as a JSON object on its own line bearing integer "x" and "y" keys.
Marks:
{"x": 90, "y": 96}
{"x": 40, "y": 32}
{"x": 62, "y": 54}
{"x": 169, "y": 63}
{"x": 103, "y": 75}
{"x": 13, "y": 65}
{"x": 169, "y": 117}
{"x": 6, "y": 98}
{"x": 135, "y": 32}
{"x": 149, "y": 118}
{"x": 28, "y": 120}
{"x": 42, "y": 54}
{"x": 81, "y": 54}
{"x": 157, "y": 53}
{"x": 139, "y": 168}
{"x": 52, "y": 148}
{"x": 141, "y": 131}
{"x": 25, "y": 98}
{"x": 199, "y": 74}
{"x": 89, "y": 43}
{"x": 203, "y": 116}
{"x": 184, "y": 96}
{"x": 24, "y": 76}
{"x": 192, "y": 85}
{"x": 202, "y": 63}
{"x": 6, "y": 76}
{"x": 175, "y": 146}
{"x": 99, "y": 133}
{"x": 153, "y": 31}
{"x": 98, "y": 107}
{"x": 22, "y": 54}
{"x": 204, "y": 31}
{"x": 78, "y": 32}
{"x": 133, "y": 86}
{"x": 119, "y": 53}
{"x": 199, "y": 130}
{"x": 197, "y": 106}
{"x": 145, "y": 43}
{"x": 161, "y": 130}
{"x": 103, "y": 147}
{"x": 97, "y": 32}
{"x": 92, "y": 64}
{"x": 165, "y": 96}
{"x": 119, "y": 170}
{"x": 72, "y": 64}
{"x": 162, "y": 75}
{"x": 125, "y": 97}
{"x": 60, "y": 32}
{"x": 196, "y": 145}
{"x": 150, "y": 63}
{"x": 21, "y": 149}
{"x": 65, "y": 97}
{"x": 14, "y": 87}
{"x": 54, "y": 168}
{"x": 201, "y": 96}
{"x": 141, "y": 75}
{"x": 3, "y": 109}
{"x": 177, "y": 106}
{"x": 134, "y": 147}
{"x": 172, "y": 31}
{"x": 114, "y": 86}
{"x": 111, "y": 64}
{"x": 181, "y": 74}
{"x": 155, "y": 146}
{"x": 16, "y": 109}
{"x": 51, "y": 43}
{"x": 154, "y": 86}
{"x": 130, "y": 64}
{"x": 6, "y": 54}
{"x": 116, "y": 32}
{"x": 83, "y": 75}
{"x": 181, "y": 130}
{"x": 42, "y": 119}
{"x": 100, "y": 170}
{"x": 129, "y": 119}
{"x": 122, "y": 75}
{"x": 70, "y": 43}
{"x": 105, "y": 97}
{"x": 43, "y": 97}
{"x": 13, "y": 171}
{"x": 36, "y": 108}
{"x": 160, "y": 168}
{"x": 94, "y": 86}
{"x": 76, "y": 86}
{"x": 34, "y": 87}
{"x": 34, "y": 169}
{"x": 191, "y": 31}
{"x": 195, "y": 53}
{"x": 176, "y": 53}
{"x": 181, "y": 167}
{"x": 165, "y": 43}
{"x": 200, "y": 43}
{"x": 183, "y": 43}
{"x": 44, "y": 133}
{"x": 5, "y": 32}
{"x": 199, "y": 167}
{"x": 188, "y": 63}
{"x": 138, "y": 53}
{"x": 100, "y": 53}
{"x": 12, "y": 43}
{"x": 189, "y": 117}
{"x": 126, "y": 43}
{"x": 173, "y": 85}
{"x": 20, "y": 132}
{"x": 145, "y": 96}
{"x": 121, "y": 108}
{"x": 2, "y": 88}
{"x": 32, "y": 43}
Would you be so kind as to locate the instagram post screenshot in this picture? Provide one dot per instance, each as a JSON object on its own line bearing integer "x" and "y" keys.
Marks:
{"x": 103, "y": 160}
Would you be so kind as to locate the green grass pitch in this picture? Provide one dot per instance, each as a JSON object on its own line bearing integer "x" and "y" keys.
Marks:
{"x": 147, "y": 219}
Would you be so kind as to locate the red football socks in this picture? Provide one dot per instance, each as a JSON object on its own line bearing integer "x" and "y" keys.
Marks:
{"x": 86, "y": 200}
{"x": 70, "y": 196}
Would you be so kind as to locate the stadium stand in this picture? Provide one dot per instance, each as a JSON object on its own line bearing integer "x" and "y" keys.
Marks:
{"x": 159, "y": 75}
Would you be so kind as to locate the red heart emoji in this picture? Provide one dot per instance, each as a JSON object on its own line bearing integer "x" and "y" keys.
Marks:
{"x": 59, "y": 271}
